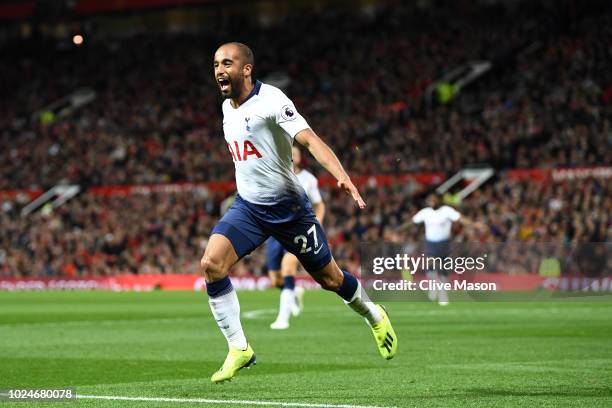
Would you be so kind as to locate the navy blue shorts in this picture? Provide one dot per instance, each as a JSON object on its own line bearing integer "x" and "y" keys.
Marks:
{"x": 291, "y": 222}
{"x": 439, "y": 249}
{"x": 274, "y": 254}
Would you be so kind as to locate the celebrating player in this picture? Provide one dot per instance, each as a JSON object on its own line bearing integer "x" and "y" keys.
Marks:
{"x": 282, "y": 265}
{"x": 260, "y": 124}
{"x": 438, "y": 221}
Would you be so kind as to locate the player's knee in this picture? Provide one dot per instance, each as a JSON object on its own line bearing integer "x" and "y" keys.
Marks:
{"x": 211, "y": 268}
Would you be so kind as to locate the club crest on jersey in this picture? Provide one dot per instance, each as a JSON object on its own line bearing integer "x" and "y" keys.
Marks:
{"x": 248, "y": 128}
{"x": 288, "y": 112}
{"x": 248, "y": 149}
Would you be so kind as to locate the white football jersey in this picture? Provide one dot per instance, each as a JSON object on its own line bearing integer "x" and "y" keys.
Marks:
{"x": 438, "y": 222}
{"x": 259, "y": 134}
{"x": 311, "y": 185}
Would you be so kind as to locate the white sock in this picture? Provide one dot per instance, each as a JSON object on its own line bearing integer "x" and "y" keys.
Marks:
{"x": 442, "y": 294}
{"x": 226, "y": 310}
{"x": 287, "y": 300}
{"x": 432, "y": 294}
{"x": 361, "y": 303}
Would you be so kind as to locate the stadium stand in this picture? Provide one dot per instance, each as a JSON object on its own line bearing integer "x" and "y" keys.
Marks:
{"x": 547, "y": 103}
{"x": 166, "y": 232}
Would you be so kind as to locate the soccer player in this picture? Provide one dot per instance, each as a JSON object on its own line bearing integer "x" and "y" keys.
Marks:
{"x": 438, "y": 222}
{"x": 260, "y": 124}
{"x": 283, "y": 265}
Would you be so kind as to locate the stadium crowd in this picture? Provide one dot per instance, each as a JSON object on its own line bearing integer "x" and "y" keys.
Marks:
{"x": 546, "y": 103}
{"x": 167, "y": 232}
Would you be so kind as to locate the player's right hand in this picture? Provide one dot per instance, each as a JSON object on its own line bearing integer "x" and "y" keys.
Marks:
{"x": 348, "y": 186}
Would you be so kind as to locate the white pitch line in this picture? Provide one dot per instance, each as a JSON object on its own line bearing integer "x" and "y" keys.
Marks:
{"x": 256, "y": 314}
{"x": 213, "y": 401}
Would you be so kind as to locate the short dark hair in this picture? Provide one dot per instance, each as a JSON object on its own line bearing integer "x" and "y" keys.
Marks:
{"x": 245, "y": 52}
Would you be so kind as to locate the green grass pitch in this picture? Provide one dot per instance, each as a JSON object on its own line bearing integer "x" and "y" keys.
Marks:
{"x": 166, "y": 344}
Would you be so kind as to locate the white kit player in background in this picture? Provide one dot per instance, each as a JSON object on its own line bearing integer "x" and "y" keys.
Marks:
{"x": 438, "y": 222}
{"x": 292, "y": 296}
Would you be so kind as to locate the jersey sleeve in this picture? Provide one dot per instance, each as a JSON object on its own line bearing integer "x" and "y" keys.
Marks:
{"x": 452, "y": 214}
{"x": 313, "y": 191}
{"x": 287, "y": 116}
{"x": 419, "y": 217}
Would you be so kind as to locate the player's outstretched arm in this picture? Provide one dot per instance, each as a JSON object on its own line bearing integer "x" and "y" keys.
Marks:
{"x": 326, "y": 158}
{"x": 414, "y": 220}
{"x": 472, "y": 224}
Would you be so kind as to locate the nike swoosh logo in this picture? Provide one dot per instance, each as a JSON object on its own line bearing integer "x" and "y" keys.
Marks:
{"x": 316, "y": 251}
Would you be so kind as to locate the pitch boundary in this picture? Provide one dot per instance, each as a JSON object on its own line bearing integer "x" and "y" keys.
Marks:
{"x": 215, "y": 401}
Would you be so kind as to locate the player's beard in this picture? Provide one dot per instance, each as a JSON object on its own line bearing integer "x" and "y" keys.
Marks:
{"x": 235, "y": 87}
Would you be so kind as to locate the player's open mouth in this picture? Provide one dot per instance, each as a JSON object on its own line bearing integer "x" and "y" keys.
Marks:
{"x": 224, "y": 84}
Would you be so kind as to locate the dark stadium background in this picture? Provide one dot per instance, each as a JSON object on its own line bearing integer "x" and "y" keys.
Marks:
{"x": 360, "y": 72}
{"x": 112, "y": 106}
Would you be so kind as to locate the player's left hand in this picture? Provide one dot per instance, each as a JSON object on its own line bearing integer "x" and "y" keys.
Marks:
{"x": 349, "y": 187}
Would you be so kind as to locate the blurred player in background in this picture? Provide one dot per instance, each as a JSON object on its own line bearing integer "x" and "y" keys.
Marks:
{"x": 283, "y": 265}
{"x": 260, "y": 125}
{"x": 438, "y": 222}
